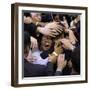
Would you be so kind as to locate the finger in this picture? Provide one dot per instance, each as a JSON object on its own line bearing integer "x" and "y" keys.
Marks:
{"x": 56, "y": 27}
{"x": 36, "y": 44}
{"x": 62, "y": 40}
{"x": 60, "y": 27}
{"x": 31, "y": 45}
{"x": 63, "y": 46}
{"x": 58, "y": 30}
{"x": 62, "y": 57}
{"x": 53, "y": 30}
{"x": 55, "y": 33}
{"x": 52, "y": 35}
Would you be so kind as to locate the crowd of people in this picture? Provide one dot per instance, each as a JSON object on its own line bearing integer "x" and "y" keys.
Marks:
{"x": 51, "y": 44}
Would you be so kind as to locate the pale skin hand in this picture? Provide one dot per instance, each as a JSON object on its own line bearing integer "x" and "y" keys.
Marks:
{"x": 72, "y": 37}
{"x": 30, "y": 58}
{"x": 52, "y": 58}
{"x": 54, "y": 26}
{"x": 61, "y": 62}
{"x": 74, "y": 22}
{"x": 34, "y": 43}
{"x": 66, "y": 44}
{"x": 50, "y": 29}
{"x": 65, "y": 23}
{"x": 47, "y": 31}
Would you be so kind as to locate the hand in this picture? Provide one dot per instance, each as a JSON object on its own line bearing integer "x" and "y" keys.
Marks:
{"x": 54, "y": 26}
{"x": 77, "y": 19}
{"x": 58, "y": 47}
{"x": 65, "y": 23}
{"x": 66, "y": 44}
{"x": 30, "y": 58}
{"x": 52, "y": 58}
{"x": 27, "y": 20}
{"x": 47, "y": 32}
{"x": 74, "y": 22}
{"x": 61, "y": 62}
{"x": 34, "y": 43}
{"x": 72, "y": 37}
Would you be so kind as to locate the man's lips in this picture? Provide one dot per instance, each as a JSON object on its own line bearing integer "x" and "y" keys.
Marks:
{"x": 47, "y": 45}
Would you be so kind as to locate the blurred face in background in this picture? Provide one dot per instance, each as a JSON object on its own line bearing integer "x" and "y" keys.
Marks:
{"x": 56, "y": 18}
{"x": 36, "y": 17}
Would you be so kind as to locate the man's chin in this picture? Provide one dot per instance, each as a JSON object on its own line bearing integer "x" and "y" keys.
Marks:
{"x": 45, "y": 49}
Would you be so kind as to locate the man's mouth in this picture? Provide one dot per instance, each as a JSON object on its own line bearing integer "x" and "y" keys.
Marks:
{"x": 47, "y": 45}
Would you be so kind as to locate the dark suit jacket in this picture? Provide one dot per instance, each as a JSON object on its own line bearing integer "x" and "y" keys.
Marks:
{"x": 32, "y": 70}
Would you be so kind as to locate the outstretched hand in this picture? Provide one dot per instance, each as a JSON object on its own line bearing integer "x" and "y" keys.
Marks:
{"x": 61, "y": 62}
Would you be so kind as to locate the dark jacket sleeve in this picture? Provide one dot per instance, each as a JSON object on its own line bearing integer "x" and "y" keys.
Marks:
{"x": 33, "y": 70}
{"x": 49, "y": 69}
{"x": 75, "y": 58}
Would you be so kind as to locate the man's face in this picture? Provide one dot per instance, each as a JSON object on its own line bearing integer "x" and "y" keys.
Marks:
{"x": 46, "y": 43}
{"x": 36, "y": 17}
{"x": 57, "y": 18}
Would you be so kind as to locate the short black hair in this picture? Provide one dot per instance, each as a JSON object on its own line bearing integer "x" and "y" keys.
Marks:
{"x": 26, "y": 39}
{"x": 27, "y": 14}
